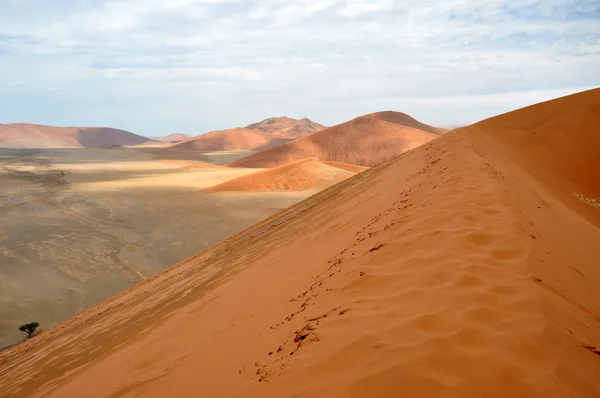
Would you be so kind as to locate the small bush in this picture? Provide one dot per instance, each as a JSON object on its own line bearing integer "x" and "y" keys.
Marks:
{"x": 29, "y": 328}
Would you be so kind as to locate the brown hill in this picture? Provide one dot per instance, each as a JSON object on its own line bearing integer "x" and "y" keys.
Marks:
{"x": 465, "y": 268}
{"x": 175, "y": 137}
{"x": 365, "y": 141}
{"x": 287, "y": 127}
{"x": 35, "y": 135}
{"x": 237, "y": 139}
{"x": 300, "y": 175}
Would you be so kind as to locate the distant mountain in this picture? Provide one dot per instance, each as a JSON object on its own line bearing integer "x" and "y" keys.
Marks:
{"x": 288, "y": 127}
{"x": 365, "y": 141}
{"x": 40, "y": 136}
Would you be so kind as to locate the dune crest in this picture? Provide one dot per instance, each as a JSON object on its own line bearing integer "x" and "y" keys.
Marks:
{"x": 300, "y": 175}
{"x": 365, "y": 141}
{"x": 460, "y": 269}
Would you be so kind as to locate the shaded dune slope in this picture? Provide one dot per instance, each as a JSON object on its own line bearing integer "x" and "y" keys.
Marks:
{"x": 365, "y": 141}
{"x": 35, "y": 135}
{"x": 460, "y": 269}
{"x": 300, "y": 175}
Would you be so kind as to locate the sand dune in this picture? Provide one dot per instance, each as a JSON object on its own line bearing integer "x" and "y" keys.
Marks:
{"x": 40, "y": 136}
{"x": 465, "y": 268}
{"x": 300, "y": 175}
{"x": 365, "y": 141}
{"x": 287, "y": 127}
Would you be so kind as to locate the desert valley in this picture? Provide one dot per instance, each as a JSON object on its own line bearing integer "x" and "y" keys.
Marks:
{"x": 300, "y": 199}
{"x": 380, "y": 257}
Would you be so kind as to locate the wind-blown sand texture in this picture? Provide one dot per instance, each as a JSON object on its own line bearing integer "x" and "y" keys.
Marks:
{"x": 300, "y": 175}
{"x": 40, "y": 136}
{"x": 465, "y": 268}
{"x": 365, "y": 141}
{"x": 288, "y": 127}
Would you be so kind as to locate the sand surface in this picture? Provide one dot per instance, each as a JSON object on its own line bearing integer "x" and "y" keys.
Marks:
{"x": 79, "y": 225}
{"x": 365, "y": 141}
{"x": 301, "y": 175}
{"x": 463, "y": 268}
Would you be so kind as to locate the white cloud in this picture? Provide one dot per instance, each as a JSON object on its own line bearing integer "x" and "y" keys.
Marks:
{"x": 198, "y": 65}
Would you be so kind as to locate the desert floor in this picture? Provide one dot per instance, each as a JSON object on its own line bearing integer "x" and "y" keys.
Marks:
{"x": 79, "y": 225}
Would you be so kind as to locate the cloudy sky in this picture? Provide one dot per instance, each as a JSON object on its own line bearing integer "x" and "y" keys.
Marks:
{"x": 156, "y": 67}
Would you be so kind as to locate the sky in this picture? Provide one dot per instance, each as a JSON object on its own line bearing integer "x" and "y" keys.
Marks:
{"x": 156, "y": 67}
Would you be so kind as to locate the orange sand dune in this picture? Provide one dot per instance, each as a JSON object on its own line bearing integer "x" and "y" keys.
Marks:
{"x": 365, "y": 141}
{"x": 237, "y": 139}
{"x": 39, "y": 136}
{"x": 287, "y": 127}
{"x": 300, "y": 175}
{"x": 465, "y": 268}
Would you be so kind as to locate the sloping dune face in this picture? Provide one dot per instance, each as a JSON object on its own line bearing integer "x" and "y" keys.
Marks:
{"x": 300, "y": 175}
{"x": 40, "y": 136}
{"x": 558, "y": 142}
{"x": 240, "y": 139}
{"x": 364, "y": 141}
{"x": 288, "y": 127}
{"x": 461, "y": 269}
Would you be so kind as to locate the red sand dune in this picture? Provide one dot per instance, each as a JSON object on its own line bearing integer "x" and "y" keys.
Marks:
{"x": 288, "y": 127}
{"x": 35, "y": 135}
{"x": 300, "y": 175}
{"x": 465, "y": 268}
{"x": 366, "y": 141}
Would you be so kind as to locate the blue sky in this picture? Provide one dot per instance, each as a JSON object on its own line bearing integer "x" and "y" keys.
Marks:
{"x": 156, "y": 67}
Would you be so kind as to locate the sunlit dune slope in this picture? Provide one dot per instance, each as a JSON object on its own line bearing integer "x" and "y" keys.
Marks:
{"x": 467, "y": 267}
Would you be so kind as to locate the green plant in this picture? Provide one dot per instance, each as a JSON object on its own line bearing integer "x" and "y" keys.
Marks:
{"x": 29, "y": 328}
